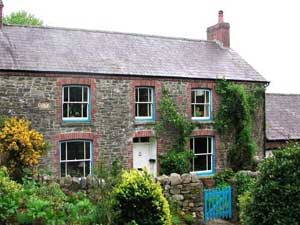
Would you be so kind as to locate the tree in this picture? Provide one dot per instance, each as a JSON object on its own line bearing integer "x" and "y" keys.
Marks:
{"x": 22, "y": 18}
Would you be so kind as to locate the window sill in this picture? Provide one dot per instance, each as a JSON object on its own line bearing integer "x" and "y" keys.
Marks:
{"x": 75, "y": 123}
{"x": 144, "y": 122}
{"x": 203, "y": 174}
{"x": 208, "y": 121}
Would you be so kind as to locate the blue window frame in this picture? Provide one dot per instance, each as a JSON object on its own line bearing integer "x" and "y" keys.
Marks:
{"x": 75, "y": 158}
{"x": 203, "y": 150}
{"x": 76, "y": 103}
{"x": 201, "y": 104}
{"x": 144, "y": 104}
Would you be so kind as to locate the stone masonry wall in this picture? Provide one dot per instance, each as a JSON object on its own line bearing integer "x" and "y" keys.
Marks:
{"x": 37, "y": 97}
{"x": 186, "y": 190}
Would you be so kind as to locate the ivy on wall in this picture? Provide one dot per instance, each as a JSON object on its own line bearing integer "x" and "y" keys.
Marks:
{"x": 177, "y": 159}
{"x": 234, "y": 119}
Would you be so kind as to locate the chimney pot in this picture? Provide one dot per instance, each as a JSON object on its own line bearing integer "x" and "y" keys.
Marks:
{"x": 221, "y": 20}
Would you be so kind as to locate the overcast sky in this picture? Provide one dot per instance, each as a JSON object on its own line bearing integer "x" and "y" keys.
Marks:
{"x": 265, "y": 33}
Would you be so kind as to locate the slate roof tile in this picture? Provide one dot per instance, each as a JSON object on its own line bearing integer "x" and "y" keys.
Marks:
{"x": 48, "y": 49}
{"x": 282, "y": 116}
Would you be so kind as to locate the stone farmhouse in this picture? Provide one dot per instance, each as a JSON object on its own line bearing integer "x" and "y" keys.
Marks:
{"x": 94, "y": 95}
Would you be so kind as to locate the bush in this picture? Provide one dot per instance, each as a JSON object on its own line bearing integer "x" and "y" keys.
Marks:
{"x": 275, "y": 198}
{"x": 138, "y": 198}
{"x": 9, "y": 196}
{"x": 243, "y": 182}
{"x": 222, "y": 178}
{"x": 21, "y": 146}
{"x": 175, "y": 162}
{"x": 188, "y": 219}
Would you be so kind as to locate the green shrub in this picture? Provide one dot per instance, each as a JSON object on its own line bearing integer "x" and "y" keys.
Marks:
{"x": 275, "y": 198}
{"x": 9, "y": 196}
{"x": 243, "y": 200}
{"x": 222, "y": 178}
{"x": 174, "y": 161}
{"x": 137, "y": 197}
{"x": 243, "y": 182}
{"x": 188, "y": 219}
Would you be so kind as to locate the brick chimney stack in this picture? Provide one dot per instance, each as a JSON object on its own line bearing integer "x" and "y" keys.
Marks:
{"x": 1, "y": 14}
{"x": 219, "y": 32}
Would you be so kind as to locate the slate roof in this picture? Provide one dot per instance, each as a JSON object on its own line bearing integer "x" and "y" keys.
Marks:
{"x": 99, "y": 52}
{"x": 282, "y": 116}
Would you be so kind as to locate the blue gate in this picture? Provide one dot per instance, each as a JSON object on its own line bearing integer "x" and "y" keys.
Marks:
{"x": 217, "y": 203}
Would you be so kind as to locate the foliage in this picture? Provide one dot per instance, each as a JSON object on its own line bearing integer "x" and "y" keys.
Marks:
{"x": 22, "y": 18}
{"x": 234, "y": 118}
{"x": 188, "y": 219}
{"x": 178, "y": 158}
{"x": 9, "y": 195}
{"x": 35, "y": 203}
{"x": 175, "y": 162}
{"x": 222, "y": 178}
{"x": 275, "y": 198}
{"x": 21, "y": 146}
{"x": 243, "y": 201}
{"x": 137, "y": 197}
{"x": 103, "y": 195}
{"x": 243, "y": 182}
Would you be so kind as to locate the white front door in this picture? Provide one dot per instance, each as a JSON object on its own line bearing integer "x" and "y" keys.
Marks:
{"x": 144, "y": 155}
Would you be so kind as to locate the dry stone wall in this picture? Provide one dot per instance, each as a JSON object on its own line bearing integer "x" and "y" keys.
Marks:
{"x": 185, "y": 190}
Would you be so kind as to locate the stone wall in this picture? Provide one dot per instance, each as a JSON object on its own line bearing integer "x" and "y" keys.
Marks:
{"x": 186, "y": 190}
{"x": 37, "y": 97}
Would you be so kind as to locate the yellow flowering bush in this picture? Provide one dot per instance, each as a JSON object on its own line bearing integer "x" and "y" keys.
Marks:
{"x": 21, "y": 146}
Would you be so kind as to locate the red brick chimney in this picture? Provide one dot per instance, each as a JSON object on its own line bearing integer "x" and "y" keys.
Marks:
{"x": 1, "y": 14}
{"x": 220, "y": 31}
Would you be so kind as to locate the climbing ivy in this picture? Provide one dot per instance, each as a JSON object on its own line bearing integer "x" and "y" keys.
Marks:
{"x": 234, "y": 119}
{"x": 177, "y": 159}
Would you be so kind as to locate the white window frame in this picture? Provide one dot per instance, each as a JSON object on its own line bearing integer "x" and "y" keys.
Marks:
{"x": 66, "y": 161}
{"x": 209, "y": 104}
{"x": 87, "y": 118}
{"x": 136, "y": 104}
{"x": 211, "y": 153}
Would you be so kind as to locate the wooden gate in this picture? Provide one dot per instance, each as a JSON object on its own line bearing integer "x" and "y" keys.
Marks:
{"x": 217, "y": 203}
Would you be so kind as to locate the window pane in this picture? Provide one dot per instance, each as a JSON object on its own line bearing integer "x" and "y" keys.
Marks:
{"x": 136, "y": 140}
{"x": 74, "y": 110}
{"x": 75, "y": 169}
{"x": 207, "y": 97}
{"x": 150, "y": 94}
{"x": 85, "y": 109}
{"x": 143, "y": 92}
{"x": 199, "y": 96}
{"x": 136, "y": 95}
{"x": 191, "y": 143}
{"x": 87, "y": 168}
{"x": 87, "y": 150}
{"x": 200, "y": 162}
{"x": 75, "y": 150}
{"x": 200, "y": 145}
{"x": 206, "y": 110}
{"x": 199, "y": 111}
{"x": 145, "y": 139}
{"x": 63, "y": 151}
{"x": 65, "y": 89}
{"x": 65, "y": 110}
{"x": 209, "y": 145}
{"x": 149, "y": 109}
{"x": 136, "y": 110}
{"x": 85, "y": 94}
{"x": 75, "y": 94}
{"x": 143, "y": 110}
{"x": 209, "y": 162}
{"x": 62, "y": 169}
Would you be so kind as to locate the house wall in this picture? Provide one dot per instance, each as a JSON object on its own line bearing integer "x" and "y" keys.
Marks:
{"x": 37, "y": 97}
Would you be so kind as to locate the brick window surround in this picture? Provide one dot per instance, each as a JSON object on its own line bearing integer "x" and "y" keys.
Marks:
{"x": 209, "y": 85}
{"x": 75, "y": 81}
{"x": 56, "y": 139}
{"x": 145, "y": 83}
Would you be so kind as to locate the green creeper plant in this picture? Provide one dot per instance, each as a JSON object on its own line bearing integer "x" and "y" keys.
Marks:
{"x": 177, "y": 159}
{"x": 234, "y": 120}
